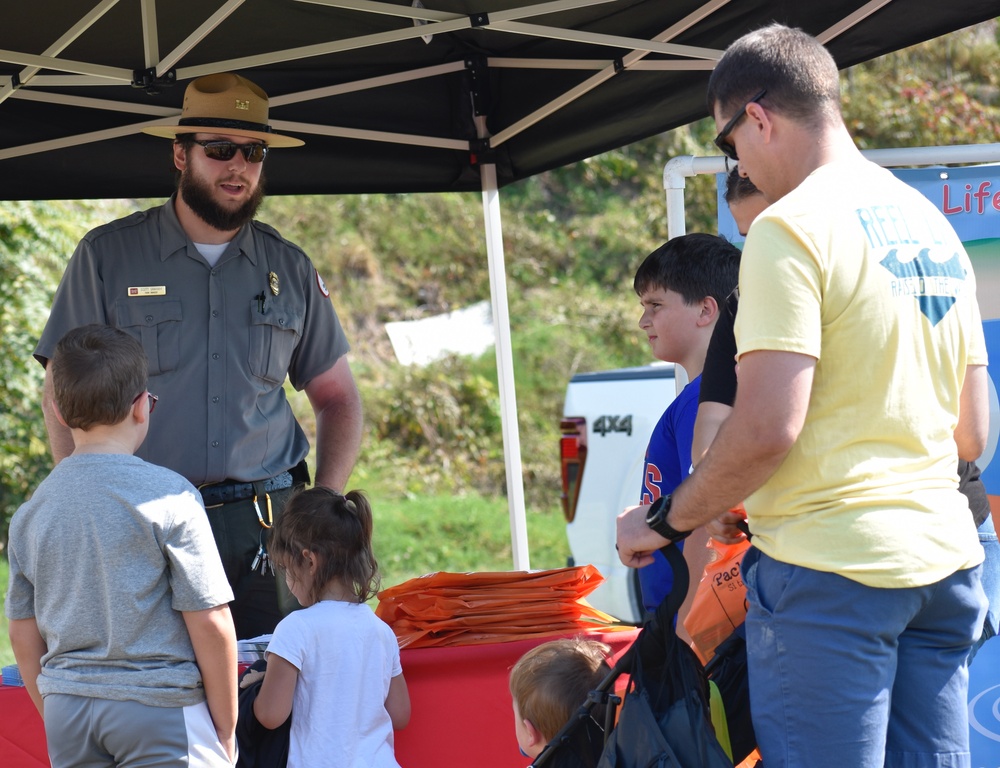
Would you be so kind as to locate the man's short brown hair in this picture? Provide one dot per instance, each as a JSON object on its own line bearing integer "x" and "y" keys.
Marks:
{"x": 799, "y": 75}
{"x": 551, "y": 682}
{"x": 97, "y": 373}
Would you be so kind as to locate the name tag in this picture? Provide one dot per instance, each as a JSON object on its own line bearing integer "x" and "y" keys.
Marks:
{"x": 147, "y": 290}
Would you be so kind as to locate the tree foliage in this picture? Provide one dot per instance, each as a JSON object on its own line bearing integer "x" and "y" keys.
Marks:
{"x": 35, "y": 240}
{"x": 938, "y": 93}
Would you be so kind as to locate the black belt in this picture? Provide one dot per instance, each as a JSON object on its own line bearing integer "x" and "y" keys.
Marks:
{"x": 229, "y": 491}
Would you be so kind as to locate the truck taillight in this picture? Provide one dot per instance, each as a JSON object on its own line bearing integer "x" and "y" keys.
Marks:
{"x": 572, "y": 455}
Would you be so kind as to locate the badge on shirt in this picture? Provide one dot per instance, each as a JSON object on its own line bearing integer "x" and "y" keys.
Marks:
{"x": 147, "y": 290}
{"x": 273, "y": 284}
{"x": 322, "y": 286}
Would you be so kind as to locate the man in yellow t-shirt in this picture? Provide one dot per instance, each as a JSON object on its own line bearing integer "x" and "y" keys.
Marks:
{"x": 862, "y": 381}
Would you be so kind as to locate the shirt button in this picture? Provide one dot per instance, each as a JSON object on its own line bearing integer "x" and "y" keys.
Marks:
{"x": 215, "y": 355}
{"x": 215, "y": 443}
{"x": 149, "y": 318}
{"x": 215, "y": 399}
{"x": 215, "y": 313}
{"x": 281, "y": 322}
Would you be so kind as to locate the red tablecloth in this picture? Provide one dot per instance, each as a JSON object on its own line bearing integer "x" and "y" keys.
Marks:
{"x": 462, "y": 711}
{"x": 459, "y": 697}
{"x": 22, "y": 736}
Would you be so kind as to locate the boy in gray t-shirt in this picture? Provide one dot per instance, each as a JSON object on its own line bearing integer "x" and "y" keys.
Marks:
{"x": 118, "y": 603}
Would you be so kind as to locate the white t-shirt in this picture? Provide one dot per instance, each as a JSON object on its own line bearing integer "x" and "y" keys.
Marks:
{"x": 346, "y": 657}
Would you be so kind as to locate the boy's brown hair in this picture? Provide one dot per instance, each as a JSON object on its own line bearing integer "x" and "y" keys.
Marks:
{"x": 551, "y": 682}
{"x": 98, "y": 371}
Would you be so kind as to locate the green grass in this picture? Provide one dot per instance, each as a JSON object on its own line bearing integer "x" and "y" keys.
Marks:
{"x": 459, "y": 533}
{"x": 414, "y": 536}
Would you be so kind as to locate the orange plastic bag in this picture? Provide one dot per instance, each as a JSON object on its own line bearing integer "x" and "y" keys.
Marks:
{"x": 469, "y": 608}
{"x": 719, "y": 604}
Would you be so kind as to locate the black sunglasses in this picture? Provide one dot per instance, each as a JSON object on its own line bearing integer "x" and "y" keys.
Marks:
{"x": 225, "y": 150}
{"x": 720, "y": 141}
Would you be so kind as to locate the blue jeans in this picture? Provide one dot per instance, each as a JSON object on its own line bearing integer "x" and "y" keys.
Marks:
{"x": 842, "y": 674}
{"x": 991, "y": 580}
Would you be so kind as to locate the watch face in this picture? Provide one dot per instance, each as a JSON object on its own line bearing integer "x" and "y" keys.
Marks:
{"x": 656, "y": 509}
{"x": 657, "y": 520}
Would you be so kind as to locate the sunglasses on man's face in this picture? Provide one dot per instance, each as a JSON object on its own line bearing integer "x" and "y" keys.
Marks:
{"x": 720, "y": 141}
{"x": 226, "y": 150}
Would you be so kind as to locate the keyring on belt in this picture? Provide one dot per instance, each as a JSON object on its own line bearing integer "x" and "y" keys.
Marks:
{"x": 258, "y": 488}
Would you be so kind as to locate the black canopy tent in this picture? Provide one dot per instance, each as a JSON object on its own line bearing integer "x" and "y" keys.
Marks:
{"x": 555, "y": 81}
{"x": 428, "y": 95}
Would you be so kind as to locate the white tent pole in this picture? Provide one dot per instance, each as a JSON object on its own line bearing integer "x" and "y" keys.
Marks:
{"x": 677, "y": 169}
{"x": 674, "y": 174}
{"x": 505, "y": 367}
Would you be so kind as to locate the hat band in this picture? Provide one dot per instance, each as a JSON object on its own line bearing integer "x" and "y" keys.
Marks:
{"x": 215, "y": 122}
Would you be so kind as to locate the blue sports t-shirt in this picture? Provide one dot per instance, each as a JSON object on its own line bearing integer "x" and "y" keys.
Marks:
{"x": 668, "y": 462}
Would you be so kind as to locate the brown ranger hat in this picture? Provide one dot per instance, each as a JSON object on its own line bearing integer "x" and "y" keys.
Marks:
{"x": 226, "y": 104}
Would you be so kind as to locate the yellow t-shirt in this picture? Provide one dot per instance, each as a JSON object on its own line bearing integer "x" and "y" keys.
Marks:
{"x": 861, "y": 272}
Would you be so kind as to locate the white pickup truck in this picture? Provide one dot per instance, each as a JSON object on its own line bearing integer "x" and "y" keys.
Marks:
{"x": 607, "y": 420}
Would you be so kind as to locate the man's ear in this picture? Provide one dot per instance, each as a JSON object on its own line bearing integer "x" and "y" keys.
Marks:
{"x": 180, "y": 156}
{"x": 762, "y": 120}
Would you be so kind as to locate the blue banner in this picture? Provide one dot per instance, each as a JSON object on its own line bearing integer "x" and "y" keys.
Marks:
{"x": 968, "y": 197}
{"x": 989, "y": 464}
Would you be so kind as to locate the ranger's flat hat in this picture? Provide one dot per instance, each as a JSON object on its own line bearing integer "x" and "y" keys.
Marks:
{"x": 228, "y": 104}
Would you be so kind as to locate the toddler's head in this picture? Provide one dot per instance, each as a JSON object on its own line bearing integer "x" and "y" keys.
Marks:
{"x": 550, "y": 683}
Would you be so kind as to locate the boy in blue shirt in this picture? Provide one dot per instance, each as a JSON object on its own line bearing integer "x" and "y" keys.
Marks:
{"x": 681, "y": 285}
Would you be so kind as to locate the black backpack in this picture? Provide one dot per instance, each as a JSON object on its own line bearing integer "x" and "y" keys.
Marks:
{"x": 728, "y": 670}
{"x": 665, "y": 719}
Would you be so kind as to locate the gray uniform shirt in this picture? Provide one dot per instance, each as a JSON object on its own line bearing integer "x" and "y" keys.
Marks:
{"x": 103, "y": 556}
{"x": 220, "y": 340}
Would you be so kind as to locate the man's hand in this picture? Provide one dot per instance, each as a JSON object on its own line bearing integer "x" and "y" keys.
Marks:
{"x": 637, "y": 541}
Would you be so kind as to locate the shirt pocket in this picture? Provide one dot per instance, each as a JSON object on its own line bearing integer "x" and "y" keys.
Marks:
{"x": 156, "y": 324}
{"x": 274, "y": 334}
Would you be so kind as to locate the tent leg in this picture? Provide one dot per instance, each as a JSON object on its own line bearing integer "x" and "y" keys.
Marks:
{"x": 505, "y": 368}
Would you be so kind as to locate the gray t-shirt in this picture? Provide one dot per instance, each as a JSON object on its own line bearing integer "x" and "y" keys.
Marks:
{"x": 220, "y": 340}
{"x": 104, "y": 556}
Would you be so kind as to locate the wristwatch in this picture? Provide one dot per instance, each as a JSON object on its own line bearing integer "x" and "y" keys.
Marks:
{"x": 656, "y": 519}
